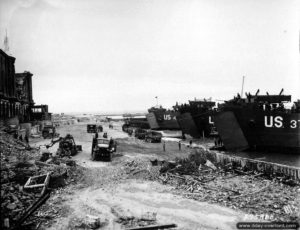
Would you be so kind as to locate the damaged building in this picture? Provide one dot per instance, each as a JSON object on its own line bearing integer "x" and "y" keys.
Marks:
{"x": 16, "y": 97}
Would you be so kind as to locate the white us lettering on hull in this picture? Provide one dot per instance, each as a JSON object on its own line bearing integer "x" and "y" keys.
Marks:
{"x": 168, "y": 117}
{"x": 271, "y": 122}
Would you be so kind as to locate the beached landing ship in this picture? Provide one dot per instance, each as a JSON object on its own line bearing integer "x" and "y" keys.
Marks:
{"x": 195, "y": 118}
{"x": 160, "y": 118}
{"x": 260, "y": 122}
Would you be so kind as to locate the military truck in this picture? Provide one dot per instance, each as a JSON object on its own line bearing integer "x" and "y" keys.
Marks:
{"x": 140, "y": 133}
{"x": 49, "y": 131}
{"x": 153, "y": 137}
{"x": 92, "y": 128}
{"x": 103, "y": 149}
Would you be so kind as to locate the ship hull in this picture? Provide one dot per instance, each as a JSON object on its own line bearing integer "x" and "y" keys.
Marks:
{"x": 204, "y": 123}
{"x": 163, "y": 120}
{"x": 188, "y": 125}
{"x": 230, "y": 132}
{"x": 265, "y": 130}
{"x": 197, "y": 126}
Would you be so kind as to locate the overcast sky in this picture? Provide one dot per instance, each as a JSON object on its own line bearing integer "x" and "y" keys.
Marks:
{"x": 117, "y": 55}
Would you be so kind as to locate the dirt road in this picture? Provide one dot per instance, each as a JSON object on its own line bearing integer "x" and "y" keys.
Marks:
{"x": 110, "y": 189}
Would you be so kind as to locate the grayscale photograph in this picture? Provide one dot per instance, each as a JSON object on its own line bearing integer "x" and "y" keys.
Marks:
{"x": 150, "y": 114}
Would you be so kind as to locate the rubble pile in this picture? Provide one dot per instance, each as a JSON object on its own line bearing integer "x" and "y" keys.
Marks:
{"x": 198, "y": 178}
{"x": 18, "y": 164}
{"x": 127, "y": 219}
{"x": 141, "y": 169}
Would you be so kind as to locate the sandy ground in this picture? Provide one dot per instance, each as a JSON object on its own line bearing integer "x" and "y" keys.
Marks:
{"x": 106, "y": 188}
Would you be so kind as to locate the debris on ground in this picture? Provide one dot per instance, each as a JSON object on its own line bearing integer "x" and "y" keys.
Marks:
{"x": 25, "y": 178}
{"x": 198, "y": 178}
{"x": 92, "y": 222}
{"x": 155, "y": 227}
{"x": 127, "y": 219}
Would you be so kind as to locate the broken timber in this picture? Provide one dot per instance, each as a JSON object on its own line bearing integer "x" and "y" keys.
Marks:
{"x": 30, "y": 184}
{"x": 150, "y": 227}
{"x": 32, "y": 209}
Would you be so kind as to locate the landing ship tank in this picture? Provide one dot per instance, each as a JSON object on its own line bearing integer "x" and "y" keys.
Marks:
{"x": 160, "y": 118}
{"x": 259, "y": 122}
{"x": 195, "y": 118}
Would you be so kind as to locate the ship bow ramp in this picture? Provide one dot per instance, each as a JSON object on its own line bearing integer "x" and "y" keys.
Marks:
{"x": 230, "y": 131}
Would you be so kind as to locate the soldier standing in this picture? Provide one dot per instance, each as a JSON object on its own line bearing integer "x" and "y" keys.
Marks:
{"x": 26, "y": 139}
{"x": 111, "y": 142}
{"x": 164, "y": 146}
{"x": 179, "y": 145}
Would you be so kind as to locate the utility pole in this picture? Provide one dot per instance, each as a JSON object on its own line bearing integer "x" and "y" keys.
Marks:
{"x": 243, "y": 86}
{"x": 156, "y": 101}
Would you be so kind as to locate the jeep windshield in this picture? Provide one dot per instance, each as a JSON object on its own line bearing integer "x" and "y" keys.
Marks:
{"x": 103, "y": 142}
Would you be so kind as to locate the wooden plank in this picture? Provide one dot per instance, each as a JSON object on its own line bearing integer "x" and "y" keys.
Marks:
{"x": 150, "y": 227}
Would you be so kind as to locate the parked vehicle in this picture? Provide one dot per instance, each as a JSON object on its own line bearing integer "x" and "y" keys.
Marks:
{"x": 49, "y": 131}
{"x": 92, "y": 128}
{"x": 67, "y": 146}
{"x": 100, "y": 128}
{"x": 103, "y": 149}
{"x": 153, "y": 137}
{"x": 140, "y": 134}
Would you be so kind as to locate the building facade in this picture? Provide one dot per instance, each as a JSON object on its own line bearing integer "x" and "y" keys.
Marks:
{"x": 24, "y": 94}
{"x": 16, "y": 99}
{"x": 8, "y": 101}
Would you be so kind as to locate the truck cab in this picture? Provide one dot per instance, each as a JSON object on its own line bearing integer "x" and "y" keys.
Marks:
{"x": 102, "y": 149}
